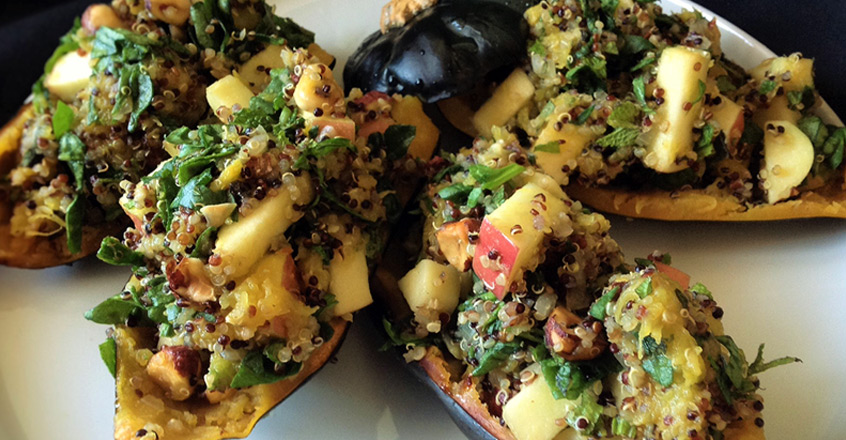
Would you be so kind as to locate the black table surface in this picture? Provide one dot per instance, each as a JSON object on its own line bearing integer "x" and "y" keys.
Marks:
{"x": 29, "y": 31}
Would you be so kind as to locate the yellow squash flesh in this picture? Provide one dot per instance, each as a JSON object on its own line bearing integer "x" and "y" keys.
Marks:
{"x": 699, "y": 205}
{"x": 141, "y": 404}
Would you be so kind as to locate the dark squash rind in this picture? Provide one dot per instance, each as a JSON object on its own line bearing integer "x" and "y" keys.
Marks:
{"x": 444, "y": 51}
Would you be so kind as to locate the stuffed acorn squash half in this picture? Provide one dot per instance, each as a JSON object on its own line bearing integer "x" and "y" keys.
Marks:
{"x": 250, "y": 248}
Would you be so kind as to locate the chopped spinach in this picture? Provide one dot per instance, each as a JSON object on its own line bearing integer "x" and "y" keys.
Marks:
{"x": 114, "y": 311}
{"x": 62, "y": 119}
{"x": 113, "y": 252}
{"x": 493, "y": 178}
{"x": 108, "y": 352}
{"x": 495, "y": 356}
{"x": 620, "y": 137}
{"x": 257, "y": 368}
{"x": 551, "y": 147}
{"x": 597, "y": 310}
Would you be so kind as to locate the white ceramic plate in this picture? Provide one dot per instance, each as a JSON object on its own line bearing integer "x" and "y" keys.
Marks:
{"x": 778, "y": 282}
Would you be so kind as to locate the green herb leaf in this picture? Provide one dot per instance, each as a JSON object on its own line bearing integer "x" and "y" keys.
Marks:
{"x": 700, "y": 289}
{"x": 620, "y": 427}
{"x": 257, "y": 369}
{"x": 597, "y": 310}
{"x": 636, "y": 44}
{"x": 584, "y": 115}
{"x": 701, "y": 94}
{"x": 759, "y": 366}
{"x": 801, "y": 100}
{"x": 62, "y": 119}
{"x": 397, "y": 140}
{"x": 834, "y": 146}
{"x": 108, "y": 352}
{"x": 113, "y": 311}
{"x": 705, "y": 146}
{"x": 493, "y": 178}
{"x": 646, "y": 61}
{"x": 815, "y": 129}
{"x": 725, "y": 85}
{"x": 620, "y": 137}
{"x": 456, "y": 192}
{"x": 551, "y": 147}
{"x": 205, "y": 243}
{"x": 495, "y": 356}
{"x": 565, "y": 379}
{"x": 113, "y": 252}
{"x": 396, "y": 338}
{"x": 639, "y": 90}
{"x": 538, "y": 48}
{"x": 645, "y": 288}
{"x": 660, "y": 368}
{"x": 624, "y": 115}
{"x": 767, "y": 86}
{"x": 196, "y": 193}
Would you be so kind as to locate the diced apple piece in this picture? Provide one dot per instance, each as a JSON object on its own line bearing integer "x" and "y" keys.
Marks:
{"x": 334, "y": 127}
{"x": 175, "y": 369}
{"x": 216, "y": 215}
{"x": 674, "y": 274}
{"x": 788, "y": 157}
{"x": 321, "y": 54}
{"x": 510, "y": 236}
{"x": 241, "y": 244}
{"x": 508, "y": 98}
{"x": 792, "y": 72}
{"x": 682, "y": 71}
{"x": 409, "y": 111}
{"x": 376, "y": 126}
{"x": 228, "y": 92}
{"x": 254, "y": 72}
{"x": 431, "y": 286}
{"x": 729, "y": 115}
{"x": 453, "y": 239}
{"x": 69, "y": 75}
{"x": 533, "y": 413}
{"x": 776, "y": 109}
{"x": 349, "y": 280}
{"x": 572, "y": 140}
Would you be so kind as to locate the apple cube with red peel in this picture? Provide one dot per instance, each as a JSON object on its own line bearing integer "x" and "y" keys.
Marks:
{"x": 510, "y": 237}
{"x": 332, "y": 127}
{"x": 674, "y": 274}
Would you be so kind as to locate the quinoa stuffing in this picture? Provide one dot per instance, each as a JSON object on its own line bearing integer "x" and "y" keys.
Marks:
{"x": 121, "y": 79}
{"x": 250, "y": 246}
{"x": 521, "y": 308}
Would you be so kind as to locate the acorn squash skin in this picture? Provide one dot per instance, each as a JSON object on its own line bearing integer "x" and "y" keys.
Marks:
{"x": 444, "y": 51}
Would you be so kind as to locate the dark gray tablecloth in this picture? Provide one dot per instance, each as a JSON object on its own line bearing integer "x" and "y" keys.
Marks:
{"x": 30, "y": 29}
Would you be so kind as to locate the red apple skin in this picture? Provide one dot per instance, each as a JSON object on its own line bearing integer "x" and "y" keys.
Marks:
{"x": 371, "y": 97}
{"x": 376, "y": 126}
{"x": 493, "y": 242}
{"x": 136, "y": 221}
{"x": 674, "y": 274}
